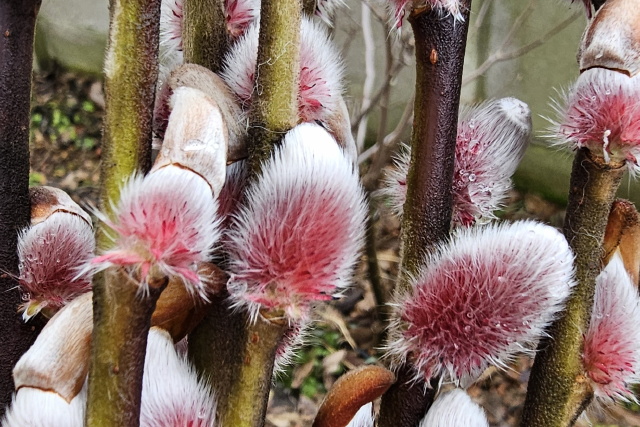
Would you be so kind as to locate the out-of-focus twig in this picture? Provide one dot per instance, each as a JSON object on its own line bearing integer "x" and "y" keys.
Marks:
{"x": 370, "y": 73}
{"x": 502, "y": 54}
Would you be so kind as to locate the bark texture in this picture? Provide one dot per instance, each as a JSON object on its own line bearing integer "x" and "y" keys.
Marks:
{"x": 17, "y": 24}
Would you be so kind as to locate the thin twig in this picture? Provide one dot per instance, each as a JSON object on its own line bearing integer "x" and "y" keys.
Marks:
{"x": 500, "y": 55}
{"x": 370, "y": 73}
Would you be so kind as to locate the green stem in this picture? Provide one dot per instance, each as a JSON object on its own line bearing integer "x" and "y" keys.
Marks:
{"x": 17, "y": 24}
{"x": 119, "y": 343}
{"x": 205, "y": 37}
{"x": 440, "y": 47}
{"x": 274, "y": 109}
{"x": 121, "y": 317}
{"x": 237, "y": 357}
{"x": 558, "y": 391}
{"x": 234, "y": 355}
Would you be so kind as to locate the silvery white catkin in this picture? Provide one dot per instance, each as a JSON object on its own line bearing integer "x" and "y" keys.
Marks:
{"x": 364, "y": 417}
{"x": 480, "y": 299}
{"x": 298, "y": 238}
{"x": 454, "y": 409}
{"x": 172, "y": 393}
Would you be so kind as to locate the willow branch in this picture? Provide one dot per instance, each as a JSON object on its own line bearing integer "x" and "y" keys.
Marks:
{"x": 274, "y": 109}
{"x": 121, "y": 316}
{"x": 558, "y": 391}
{"x": 440, "y": 48}
{"x": 236, "y": 356}
{"x": 204, "y": 33}
{"x": 17, "y": 23}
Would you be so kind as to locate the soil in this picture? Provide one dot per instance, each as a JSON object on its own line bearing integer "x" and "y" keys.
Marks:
{"x": 65, "y": 153}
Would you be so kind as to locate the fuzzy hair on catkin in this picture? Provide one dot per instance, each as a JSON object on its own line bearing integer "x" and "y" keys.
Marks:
{"x": 480, "y": 299}
{"x": 491, "y": 141}
{"x": 298, "y": 237}
{"x": 166, "y": 220}
{"x": 454, "y": 408}
{"x": 321, "y": 71}
{"x": 326, "y": 9}
{"x": 240, "y": 14}
{"x": 295, "y": 336}
{"x": 602, "y": 113}
{"x": 172, "y": 393}
{"x": 399, "y": 8}
{"x": 170, "y": 52}
{"x": 611, "y": 355}
{"x": 364, "y": 417}
{"x": 51, "y": 255}
{"x": 39, "y": 408}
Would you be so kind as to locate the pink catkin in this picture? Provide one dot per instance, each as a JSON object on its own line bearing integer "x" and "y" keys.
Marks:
{"x": 240, "y": 15}
{"x": 298, "y": 236}
{"x": 611, "y": 355}
{"x": 160, "y": 224}
{"x": 454, "y": 408}
{"x": 602, "y": 112}
{"x": 480, "y": 299}
{"x": 321, "y": 71}
{"x": 51, "y": 254}
{"x": 491, "y": 141}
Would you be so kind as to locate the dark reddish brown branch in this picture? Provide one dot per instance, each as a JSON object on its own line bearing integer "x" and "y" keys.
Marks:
{"x": 440, "y": 47}
{"x": 597, "y": 4}
{"x": 17, "y": 23}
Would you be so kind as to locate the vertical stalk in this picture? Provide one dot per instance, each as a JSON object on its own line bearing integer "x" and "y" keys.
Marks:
{"x": 235, "y": 355}
{"x": 440, "y": 47}
{"x": 204, "y": 34}
{"x": 274, "y": 108}
{"x": 17, "y": 24}
{"x": 121, "y": 316}
{"x": 558, "y": 391}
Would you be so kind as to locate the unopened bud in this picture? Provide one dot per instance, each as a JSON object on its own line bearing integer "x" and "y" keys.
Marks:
{"x": 58, "y": 361}
{"x": 612, "y": 39}
{"x": 350, "y": 392}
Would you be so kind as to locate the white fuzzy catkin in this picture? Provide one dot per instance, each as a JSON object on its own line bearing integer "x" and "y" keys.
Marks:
{"x": 491, "y": 140}
{"x": 454, "y": 409}
{"x": 51, "y": 254}
{"x": 32, "y": 407}
{"x": 298, "y": 237}
{"x": 172, "y": 394}
{"x": 364, "y": 417}
{"x": 166, "y": 220}
{"x": 480, "y": 299}
{"x": 321, "y": 71}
